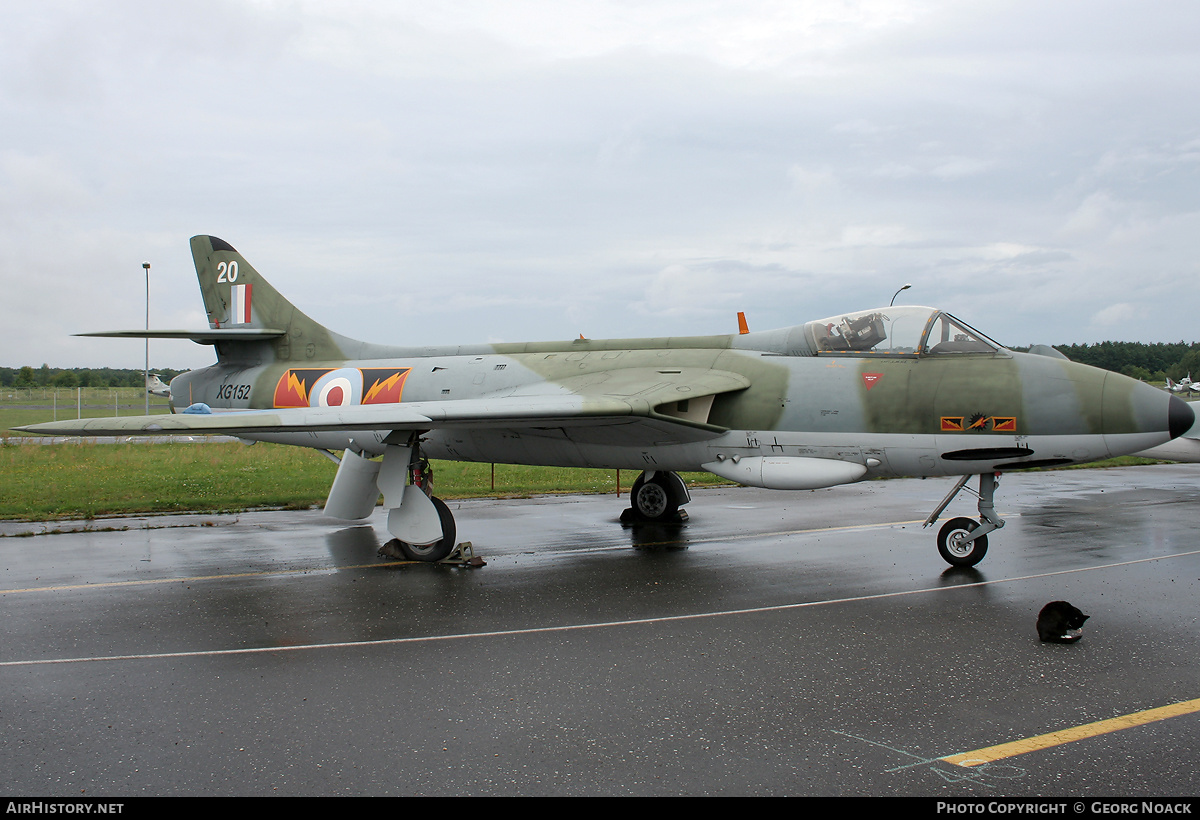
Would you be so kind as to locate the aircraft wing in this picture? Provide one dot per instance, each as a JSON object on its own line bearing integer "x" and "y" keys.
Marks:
{"x": 631, "y": 406}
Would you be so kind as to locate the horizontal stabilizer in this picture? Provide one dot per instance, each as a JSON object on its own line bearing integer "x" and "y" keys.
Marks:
{"x": 203, "y": 337}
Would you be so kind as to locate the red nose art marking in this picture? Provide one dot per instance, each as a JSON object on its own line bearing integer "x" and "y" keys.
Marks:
{"x": 334, "y": 397}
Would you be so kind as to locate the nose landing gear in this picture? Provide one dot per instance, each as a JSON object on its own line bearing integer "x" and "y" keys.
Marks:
{"x": 963, "y": 542}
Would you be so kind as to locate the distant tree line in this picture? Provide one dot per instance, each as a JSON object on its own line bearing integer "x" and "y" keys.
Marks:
{"x": 46, "y": 376}
{"x": 1149, "y": 362}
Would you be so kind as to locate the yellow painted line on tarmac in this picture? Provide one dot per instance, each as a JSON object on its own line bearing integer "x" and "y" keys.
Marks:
{"x": 1047, "y": 741}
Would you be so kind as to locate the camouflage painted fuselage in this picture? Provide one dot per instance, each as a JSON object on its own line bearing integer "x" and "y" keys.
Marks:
{"x": 931, "y": 414}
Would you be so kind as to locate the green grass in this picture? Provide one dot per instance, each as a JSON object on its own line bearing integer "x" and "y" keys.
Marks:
{"x": 20, "y": 407}
{"x": 84, "y": 480}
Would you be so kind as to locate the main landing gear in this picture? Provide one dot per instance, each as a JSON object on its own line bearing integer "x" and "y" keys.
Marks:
{"x": 423, "y": 526}
{"x": 656, "y": 497}
{"x": 422, "y": 479}
{"x": 963, "y": 542}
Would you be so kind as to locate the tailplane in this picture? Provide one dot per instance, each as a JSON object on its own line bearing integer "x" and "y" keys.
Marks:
{"x": 250, "y": 319}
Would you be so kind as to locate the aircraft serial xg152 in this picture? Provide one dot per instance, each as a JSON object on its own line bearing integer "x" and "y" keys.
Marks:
{"x": 897, "y": 391}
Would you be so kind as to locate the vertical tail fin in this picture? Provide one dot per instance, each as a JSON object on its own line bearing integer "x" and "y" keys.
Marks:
{"x": 237, "y": 297}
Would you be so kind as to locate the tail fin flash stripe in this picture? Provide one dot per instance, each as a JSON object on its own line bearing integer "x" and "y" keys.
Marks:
{"x": 239, "y": 297}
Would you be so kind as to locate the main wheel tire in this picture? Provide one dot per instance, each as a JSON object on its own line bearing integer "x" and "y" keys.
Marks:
{"x": 652, "y": 499}
{"x": 953, "y": 550}
{"x": 438, "y": 549}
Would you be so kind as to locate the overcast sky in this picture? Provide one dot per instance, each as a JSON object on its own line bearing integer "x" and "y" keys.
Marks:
{"x": 503, "y": 170}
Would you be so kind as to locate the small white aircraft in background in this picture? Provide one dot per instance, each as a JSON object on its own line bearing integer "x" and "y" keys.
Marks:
{"x": 1184, "y": 385}
{"x": 155, "y": 386}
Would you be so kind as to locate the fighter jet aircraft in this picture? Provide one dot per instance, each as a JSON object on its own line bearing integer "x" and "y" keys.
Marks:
{"x": 896, "y": 391}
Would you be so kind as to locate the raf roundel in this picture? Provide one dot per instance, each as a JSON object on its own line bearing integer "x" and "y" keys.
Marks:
{"x": 340, "y": 388}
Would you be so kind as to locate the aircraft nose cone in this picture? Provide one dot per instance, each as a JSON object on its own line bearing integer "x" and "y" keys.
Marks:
{"x": 1134, "y": 411}
{"x": 1180, "y": 417}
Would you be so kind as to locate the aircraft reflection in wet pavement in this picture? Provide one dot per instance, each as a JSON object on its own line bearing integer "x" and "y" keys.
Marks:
{"x": 896, "y": 391}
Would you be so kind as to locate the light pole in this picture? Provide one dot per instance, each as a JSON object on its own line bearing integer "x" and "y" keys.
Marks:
{"x": 894, "y": 295}
{"x": 146, "y": 373}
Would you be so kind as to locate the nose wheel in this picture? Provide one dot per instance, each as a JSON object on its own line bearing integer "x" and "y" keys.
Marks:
{"x": 956, "y": 545}
{"x": 963, "y": 542}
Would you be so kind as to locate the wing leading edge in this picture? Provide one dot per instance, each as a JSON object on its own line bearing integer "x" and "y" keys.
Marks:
{"x": 632, "y": 407}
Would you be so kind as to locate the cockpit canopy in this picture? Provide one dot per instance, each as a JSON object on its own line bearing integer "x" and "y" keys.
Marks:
{"x": 906, "y": 330}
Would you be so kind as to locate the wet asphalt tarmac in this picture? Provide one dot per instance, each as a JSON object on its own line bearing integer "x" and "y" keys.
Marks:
{"x": 777, "y": 644}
